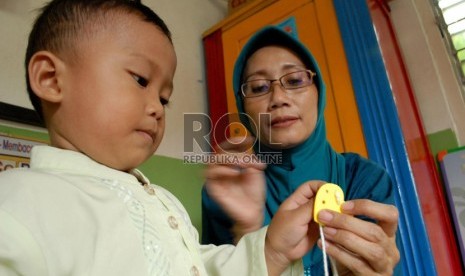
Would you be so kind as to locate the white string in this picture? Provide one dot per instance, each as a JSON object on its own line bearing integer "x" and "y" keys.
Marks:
{"x": 323, "y": 246}
{"x": 333, "y": 266}
{"x": 325, "y": 262}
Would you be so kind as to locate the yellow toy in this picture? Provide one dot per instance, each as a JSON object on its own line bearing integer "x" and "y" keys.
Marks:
{"x": 329, "y": 196}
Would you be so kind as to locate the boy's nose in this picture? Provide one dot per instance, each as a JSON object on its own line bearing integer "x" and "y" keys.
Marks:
{"x": 156, "y": 108}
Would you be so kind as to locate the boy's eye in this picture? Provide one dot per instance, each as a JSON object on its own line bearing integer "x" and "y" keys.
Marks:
{"x": 164, "y": 101}
{"x": 140, "y": 80}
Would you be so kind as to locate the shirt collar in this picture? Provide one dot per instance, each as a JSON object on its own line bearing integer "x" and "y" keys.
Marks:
{"x": 73, "y": 162}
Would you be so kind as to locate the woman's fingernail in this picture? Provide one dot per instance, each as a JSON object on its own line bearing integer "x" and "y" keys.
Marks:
{"x": 330, "y": 231}
{"x": 320, "y": 244}
{"x": 349, "y": 205}
{"x": 325, "y": 216}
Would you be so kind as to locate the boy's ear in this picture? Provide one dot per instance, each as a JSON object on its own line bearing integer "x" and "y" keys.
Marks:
{"x": 45, "y": 71}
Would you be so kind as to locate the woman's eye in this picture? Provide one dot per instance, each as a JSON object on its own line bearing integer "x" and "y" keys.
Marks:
{"x": 140, "y": 80}
{"x": 294, "y": 82}
{"x": 259, "y": 88}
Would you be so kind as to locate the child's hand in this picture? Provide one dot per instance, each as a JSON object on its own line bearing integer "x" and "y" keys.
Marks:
{"x": 292, "y": 231}
{"x": 361, "y": 247}
{"x": 239, "y": 188}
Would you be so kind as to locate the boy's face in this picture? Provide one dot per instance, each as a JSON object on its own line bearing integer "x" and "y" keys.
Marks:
{"x": 114, "y": 93}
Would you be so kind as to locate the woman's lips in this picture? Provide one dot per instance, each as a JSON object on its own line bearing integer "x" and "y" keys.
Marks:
{"x": 285, "y": 121}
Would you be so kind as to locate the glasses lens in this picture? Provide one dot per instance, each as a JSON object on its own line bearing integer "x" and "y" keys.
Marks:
{"x": 296, "y": 80}
{"x": 255, "y": 88}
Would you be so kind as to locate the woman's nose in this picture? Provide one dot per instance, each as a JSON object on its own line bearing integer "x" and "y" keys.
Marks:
{"x": 278, "y": 95}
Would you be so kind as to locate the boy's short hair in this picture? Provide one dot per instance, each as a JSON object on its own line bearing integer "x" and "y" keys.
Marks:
{"x": 62, "y": 23}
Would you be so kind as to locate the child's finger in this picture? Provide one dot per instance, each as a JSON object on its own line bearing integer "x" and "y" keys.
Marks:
{"x": 304, "y": 213}
{"x": 302, "y": 195}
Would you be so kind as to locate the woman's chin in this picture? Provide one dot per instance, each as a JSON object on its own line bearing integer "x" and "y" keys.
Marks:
{"x": 282, "y": 144}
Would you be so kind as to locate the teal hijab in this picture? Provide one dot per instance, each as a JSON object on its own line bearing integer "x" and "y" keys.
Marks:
{"x": 314, "y": 159}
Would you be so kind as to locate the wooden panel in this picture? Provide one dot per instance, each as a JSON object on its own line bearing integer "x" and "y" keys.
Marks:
{"x": 214, "y": 67}
{"x": 339, "y": 82}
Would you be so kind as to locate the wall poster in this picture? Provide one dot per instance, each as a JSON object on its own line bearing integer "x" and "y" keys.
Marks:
{"x": 15, "y": 151}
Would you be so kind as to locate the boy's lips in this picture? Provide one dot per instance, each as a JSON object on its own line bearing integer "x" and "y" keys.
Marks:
{"x": 150, "y": 134}
{"x": 283, "y": 121}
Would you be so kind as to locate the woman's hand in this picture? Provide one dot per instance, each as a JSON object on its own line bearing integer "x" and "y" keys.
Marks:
{"x": 238, "y": 184}
{"x": 362, "y": 247}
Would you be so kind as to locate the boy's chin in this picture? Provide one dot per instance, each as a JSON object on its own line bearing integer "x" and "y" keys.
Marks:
{"x": 128, "y": 165}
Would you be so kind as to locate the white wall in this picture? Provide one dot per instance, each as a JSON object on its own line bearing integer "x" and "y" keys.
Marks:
{"x": 187, "y": 20}
{"x": 436, "y": 85}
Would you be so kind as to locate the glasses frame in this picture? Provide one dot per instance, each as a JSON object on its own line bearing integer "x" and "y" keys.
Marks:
{"x": 280, "y": 79}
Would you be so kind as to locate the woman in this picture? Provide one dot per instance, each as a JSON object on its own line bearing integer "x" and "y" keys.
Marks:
{"x": 278, "y": 84}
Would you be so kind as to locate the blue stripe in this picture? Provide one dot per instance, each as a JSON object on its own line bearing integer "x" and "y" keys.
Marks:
{"x": 381, "y": 127}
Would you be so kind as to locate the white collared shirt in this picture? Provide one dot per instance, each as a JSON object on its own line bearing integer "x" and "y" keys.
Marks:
{"x": 69, "y": 215}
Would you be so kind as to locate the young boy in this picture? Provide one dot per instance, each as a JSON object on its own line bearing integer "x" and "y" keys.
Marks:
{"x": 100, "y": 73}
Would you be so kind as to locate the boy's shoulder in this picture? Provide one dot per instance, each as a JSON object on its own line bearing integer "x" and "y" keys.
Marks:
{"x": 14, "y": 179}
{"x": 20, "y": 182}
{"x": 30, "y": 187}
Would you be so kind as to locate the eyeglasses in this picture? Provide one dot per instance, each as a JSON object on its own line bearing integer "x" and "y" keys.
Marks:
{"x": 291, "y": 81}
